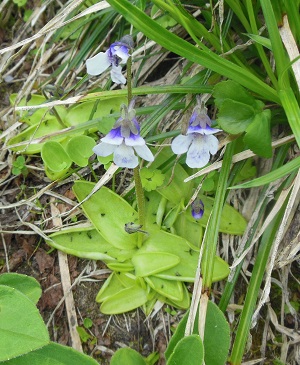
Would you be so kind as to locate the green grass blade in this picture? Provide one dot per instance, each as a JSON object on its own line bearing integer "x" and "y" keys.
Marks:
{"x": 292, "y": 110}
{"x": 271, "y": 176}
{"x": 148, "y": 90}
{"x": 253, "y": 290}
{"x": 253, "y": 19}
{"x": 211, "y": 235}
{"x": 277, "y": 46}
{"x": 202, "y": 57}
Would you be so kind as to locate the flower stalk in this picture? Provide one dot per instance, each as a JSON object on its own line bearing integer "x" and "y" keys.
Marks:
{"x": 140, "y": 198}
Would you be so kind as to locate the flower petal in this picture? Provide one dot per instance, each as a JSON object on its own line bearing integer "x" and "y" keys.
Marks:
{"x": 116, "y": 75}
{"x": 124, "y": 157}
{"x": 113, "y": 137}
{"x": 212, "y": 144}
{"x": 181, "y": 144}
{"x": 97, "y": 64}
{"x": 122, "y": 52}
{"x": 144, "y": 152}
{"x": 104, "y": 149}
{"x": 198, "y": 153}
{"x": 198, "y": 129}
{"x": 135, "y": 140}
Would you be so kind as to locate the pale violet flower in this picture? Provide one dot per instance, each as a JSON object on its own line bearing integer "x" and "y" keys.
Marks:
{"x": 116, "y": 55}
{"x": 124, "y": 140}
{"x": 199, "y": 141}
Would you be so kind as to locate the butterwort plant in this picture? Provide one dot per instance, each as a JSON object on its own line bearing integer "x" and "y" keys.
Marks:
{"x": 116, "y": 55}
{"x": 199, "y": 141}
{"x": 124, "y": 140}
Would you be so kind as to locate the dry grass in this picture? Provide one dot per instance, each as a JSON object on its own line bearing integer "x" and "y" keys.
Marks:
{"x": 28, "y": 59}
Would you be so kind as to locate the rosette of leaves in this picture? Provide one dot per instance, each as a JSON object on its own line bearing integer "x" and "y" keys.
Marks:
{"x": 166, "y": 261}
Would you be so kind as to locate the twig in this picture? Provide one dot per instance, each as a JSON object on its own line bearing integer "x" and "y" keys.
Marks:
{"x": 66, "y": 285}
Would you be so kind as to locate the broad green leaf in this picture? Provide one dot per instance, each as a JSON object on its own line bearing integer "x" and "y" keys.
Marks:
{"x": 21, "y": 326}
{"x": 221, "y": 269}
{"x": 184, "y": 303}
{"x": 55, "y": 157}
{"x": 237, "y": 107}
{"x": 172, "y": 216}
{"x": 216, "y": 347}
{"x": 258, "y": 135}
{"x": 45, "y": 128}
{"x": 111, "y": 286}
{"x": 191, "y": 231}
{"x": 149, "y": 305}
{"x": 234, "y": 117}
{"x": 87, "y": 243}
{"x": 127, "y": 356}
{"x": 126, "y": 279}
{"x": 53, "y": 354}
{"x": 80, "y": 149}
{"x": 83, "y": 112}
{"x": 220, "y": 272}
{"x": 55, "y": 175}
{"x": 167, "y": 288}
{"x": 121, "y": 266}
{"x": 216, "y": 336}
{"x": 185, "y": 270}
{"x": 162, "y": 241}
{"x": 232, "y": 222}
{"x": 125, "y": 300}
{"x": 35, "y": 116}
{"x": 151, "y": 263}
{"x": 25, "y": 284}
{"x": 188, "y": 350}
{"x": 174, "y": 189}
{"x": 109, "y": 213}
{"x": 233, "y": 91}
{"x": 83, "y": 334}
{"x": 152, "y": 203}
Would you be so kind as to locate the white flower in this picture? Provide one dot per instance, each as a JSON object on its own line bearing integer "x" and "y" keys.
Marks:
{"x": 124, "y": 140}
{"x": 117, "y": 54}
{"x": 199, "y": 141}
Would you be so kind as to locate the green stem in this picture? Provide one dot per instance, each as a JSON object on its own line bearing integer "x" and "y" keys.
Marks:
{"x": 92, "y": 171}
{"x": 140, "y": 198}
{"x": 129, "y": 80}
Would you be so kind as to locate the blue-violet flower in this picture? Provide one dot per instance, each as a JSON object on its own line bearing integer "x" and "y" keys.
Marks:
{"x": 197, "y": 208}
{"x": 117, "y": 54}
{"x": 124, "y": 141}
{"x": 199, "y": 141}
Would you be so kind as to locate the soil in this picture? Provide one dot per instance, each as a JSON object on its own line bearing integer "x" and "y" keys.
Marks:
{"x": 29, "y": 254}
